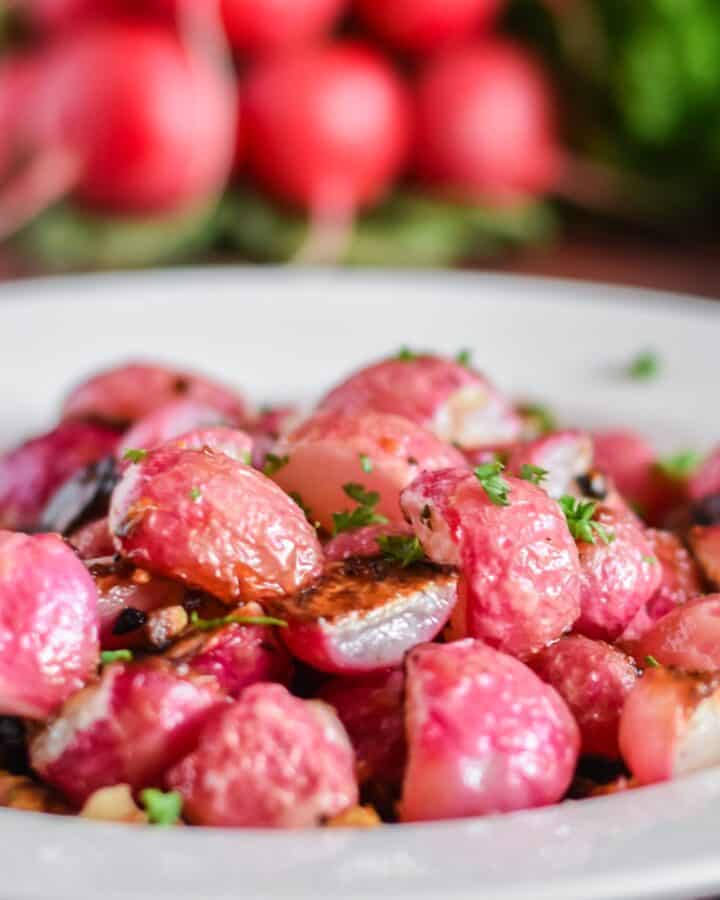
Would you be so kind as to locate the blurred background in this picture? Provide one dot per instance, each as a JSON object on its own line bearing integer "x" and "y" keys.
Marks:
{"x": 563, "y": 137}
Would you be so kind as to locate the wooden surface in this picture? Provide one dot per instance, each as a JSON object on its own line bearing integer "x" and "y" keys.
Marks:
{"x": 689, "y": 266}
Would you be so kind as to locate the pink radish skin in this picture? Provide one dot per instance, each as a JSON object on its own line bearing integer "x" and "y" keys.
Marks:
{"x": 48, "y": 624}
{"x": 166, "y": 422}
{"x": 486, "y": 123}
{"x": 679, "y": 582}
{"x": 212, "y": 523}
{"x": 565, "y": 455}
{"x": 154, "y": 135}
{"x": 128, "y": 728}
{"x": 706, "y": 481}
{"x": 31, "y": 473}
{"x": 269, "y": 760}
{"x": 520, "y": 576}
{"x": 236, "y": 444}
{"x": 327, "y": 451}
{"x": 263, "y": 26}
{"x": 125, "y": 393}
{"x": 371, "y": 709}
{"x": 18, "y": 77}
{"x": 425, "y": 25}
{"x": 361, "y": 542}
{"x": 686, "y": 638}
{"x": 485, "y": 735}
{"x": 594, "y": 679}
{"x": 364, "y": 615}
{"x": 305, "y": 142}
{"x": 235, "y": 656}
{"x": 617, "y": 578}
{"x": 93, "y": 540}
{"x": 670, "y": 725}
{"x": 456, "y": 403}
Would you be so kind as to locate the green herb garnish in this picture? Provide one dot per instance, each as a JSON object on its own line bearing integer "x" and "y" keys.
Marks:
{"x": 650, "y": 560}
{"x": 540, "y": 416}
{"x": 366, "y": 463}
{"x": 161, "y": 808}
{"x": 579, "y": 516}
{"x": 464, "y": 358}
{"x": 680, "y": 466}
{"x": 195, "y": 494}
{"x": 210, "y": 624}
{"x": 247, "y": 457}
{"x": 533, "y": 474}
{"x": 495, "y": 486}
{"x": 405, "y": 354}
{"x": 363, "y": 515}
{"x": 403, "y": 549}
{"x": 135, "y": 456}
{"x": 111, "y": 656}
{"x": 645, "y": 365}
{"x": 274, "y": 463}
{"x": 651, "y": 662}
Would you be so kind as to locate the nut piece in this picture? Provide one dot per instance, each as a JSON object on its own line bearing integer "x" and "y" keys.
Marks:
{"x": 355, "y": 817}
{"x": 113, "y": 804}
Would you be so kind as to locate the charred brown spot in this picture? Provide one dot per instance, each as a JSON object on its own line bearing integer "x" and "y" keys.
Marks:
{"x": 181, "y": 385}
{"x": 130, "y": 619}
{"x": 83, "y": 498}
{"x": 593, "y": 484}
{"x": 706, "y": 511}
{"x": 358, "y": 585}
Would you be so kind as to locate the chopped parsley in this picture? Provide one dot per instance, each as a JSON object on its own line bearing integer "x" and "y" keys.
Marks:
{"x": 650, "y": 560}
{"x": 533, "y": 474}
{"x": 210, "y": 624}
{"x": 464, "y": 358}
{"x": 161, "y": 808}
{"x": 366, "y": 464}
{"x": 135, "y": 456}
{"x": 274, "y": 463}
{"x": 403, "y": 549}
{"x": 579, "y": 516}
{"x": 495, "y": 486}
{"x": 247, "y": 457}
{"x": 680, "y": 466}
{"x": 405, "y": 354}
{"x": 363, "y": 514}
{"x": 195, "y": 494}
{"x": 646, "y": 365}
{"x": 651, "y": 662}
{"x": 111, "y": 656}
{"x": 539, "y": 416}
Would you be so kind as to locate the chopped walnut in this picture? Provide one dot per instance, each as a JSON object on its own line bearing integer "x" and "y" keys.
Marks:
{"x": 164, "y": 625}
{"x": 20, "y": 792}
{"x": 113, "y": 804}
{"x": 355, "y": 817}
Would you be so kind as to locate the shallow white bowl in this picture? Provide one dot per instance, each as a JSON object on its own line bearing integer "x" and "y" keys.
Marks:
{"x": 288, "y": 334}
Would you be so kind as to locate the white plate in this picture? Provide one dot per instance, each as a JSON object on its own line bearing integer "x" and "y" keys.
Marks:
{"x": 288, "y": 334}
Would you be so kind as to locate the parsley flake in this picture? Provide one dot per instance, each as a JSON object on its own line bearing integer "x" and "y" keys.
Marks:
{"x": 210, "y": 624}
{"x": 651, "y": 662}
{"x": 161, "y": 808}
{"x": 579, "y": 516}
{"x": 274, "y": 463}
{"x": 363, "y": 515}
{"x": 495, "y": 486}
{"x": 650, "y": 560}
{"x": 405, "y": 354}
{"x": 533, "y": 474}
{"x": 111, "y": 656}
{"x": 646, "y": 365}
{"x": 539, "y": 417}
{"x": 135, "y": 456}
{"x": 247, "y": 457}
{"x": 401, "y": 548}
{"x": 366, "y": 464}
{"x": 464, "y": 358}
{"x": 680, "y": 466}
{"x": 195, "y": 494}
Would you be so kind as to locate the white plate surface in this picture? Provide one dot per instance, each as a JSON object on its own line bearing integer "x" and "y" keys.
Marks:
{"x": 284, "y": 334}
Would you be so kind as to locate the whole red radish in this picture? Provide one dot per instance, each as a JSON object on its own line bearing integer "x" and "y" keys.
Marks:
{"x": 422, "y": 25}
{"x": 486, "y": 123}
{"x": 260, "y": 26}
{"x": 327, "y": 127}
{"x": 147, "y": 122}
{"x": 58, "y": 15}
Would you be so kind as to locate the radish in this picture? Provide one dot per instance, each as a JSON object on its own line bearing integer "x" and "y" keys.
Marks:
{"x": 327, "y": 129}
{"x": 17, "y": 79}
{"x": 486, "y": 123}
{"x": 258, "y": 26}
{"x": 423, "y": 25}
{"x": 128, "y": 119}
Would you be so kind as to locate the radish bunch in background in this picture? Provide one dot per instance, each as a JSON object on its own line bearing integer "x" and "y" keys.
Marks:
{"x": 360, "y": 123}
